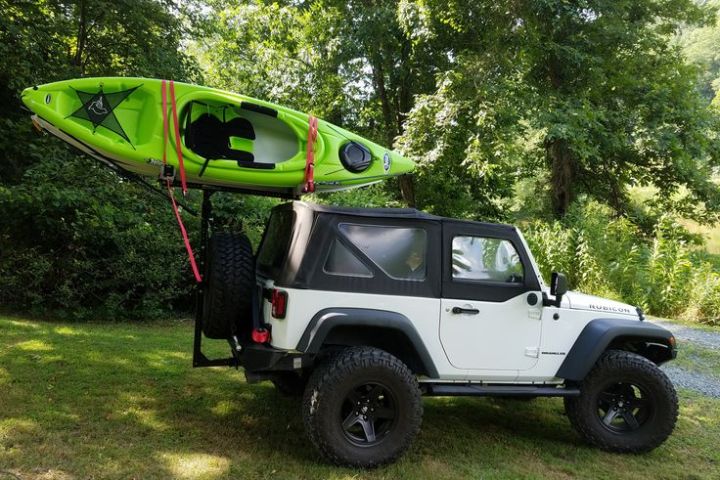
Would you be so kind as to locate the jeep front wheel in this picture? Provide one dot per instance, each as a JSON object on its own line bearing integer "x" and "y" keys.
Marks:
{"x": 362, "y": 407}
{"x": 626, "y": 404}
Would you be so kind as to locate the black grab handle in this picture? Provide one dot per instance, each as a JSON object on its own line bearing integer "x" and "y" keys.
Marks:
{"x": 472, "y": 311}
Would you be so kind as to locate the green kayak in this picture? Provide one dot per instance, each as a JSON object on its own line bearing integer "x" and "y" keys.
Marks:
{"x": 227, "y": 140}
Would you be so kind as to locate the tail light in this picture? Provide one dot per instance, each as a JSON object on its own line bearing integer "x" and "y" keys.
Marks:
{"x": 261, "y": 335}
{"x": 279, "y": 299}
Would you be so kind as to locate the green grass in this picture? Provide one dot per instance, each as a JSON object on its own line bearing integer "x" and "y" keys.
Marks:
{"x": 700, "y": 359}
{"x": 120, "y": 401}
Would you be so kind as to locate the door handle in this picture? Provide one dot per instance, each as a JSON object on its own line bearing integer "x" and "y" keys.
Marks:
{"x": 470, "y": 311}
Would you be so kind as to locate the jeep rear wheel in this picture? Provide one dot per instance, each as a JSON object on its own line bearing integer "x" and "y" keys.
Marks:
{"x": 626, "y": 404}
{"x": 229, "y": 285}
{"x": 362, "y": 407}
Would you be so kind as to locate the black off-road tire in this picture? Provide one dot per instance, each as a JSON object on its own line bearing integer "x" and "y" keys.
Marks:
{"x": 333, "y": 388}
{"x": 229, "y": 285}
{"x": 654, "y": 411}
{"x": 290, "y": 384}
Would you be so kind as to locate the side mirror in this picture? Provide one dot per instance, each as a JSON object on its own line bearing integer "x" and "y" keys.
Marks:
{"x": 558, "y": 287}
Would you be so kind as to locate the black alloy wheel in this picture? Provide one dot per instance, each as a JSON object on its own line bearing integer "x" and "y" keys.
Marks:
{"x": 624, "y": 407}
{"x": 368, "y": 414}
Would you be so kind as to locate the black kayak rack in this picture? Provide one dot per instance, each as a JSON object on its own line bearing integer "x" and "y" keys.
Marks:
{"x": 199, "y": 359}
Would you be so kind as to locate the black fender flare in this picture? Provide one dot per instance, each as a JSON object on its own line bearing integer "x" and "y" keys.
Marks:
{"x": 598, "y": 334}
{"x": 327, "y": 319}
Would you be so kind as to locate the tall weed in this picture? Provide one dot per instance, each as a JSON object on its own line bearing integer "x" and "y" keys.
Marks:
{"x": 607, "y": 255}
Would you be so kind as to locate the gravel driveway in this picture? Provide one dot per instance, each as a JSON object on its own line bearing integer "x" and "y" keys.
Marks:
{"x": 693, "y": 380}
{"x": 702, "y": 338}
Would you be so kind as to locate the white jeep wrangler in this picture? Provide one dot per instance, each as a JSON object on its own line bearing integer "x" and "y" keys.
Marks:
{"x": 363, "y": 311}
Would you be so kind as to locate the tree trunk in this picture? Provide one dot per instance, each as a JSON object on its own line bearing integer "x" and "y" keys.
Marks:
{"x": 407, "y": 190}
{"x": 562, "y": 167}
{"x": 617, "y": 198}
{"x": 379, "y": 78}
{"x": 81, "y": 37}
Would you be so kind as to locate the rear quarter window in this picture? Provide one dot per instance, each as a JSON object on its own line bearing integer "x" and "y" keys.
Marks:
{"x": 401, "y": 253}
{"x": 275, "y": 244}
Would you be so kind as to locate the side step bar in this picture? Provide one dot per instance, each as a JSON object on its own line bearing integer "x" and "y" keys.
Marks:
{"x": 470, "y": 390}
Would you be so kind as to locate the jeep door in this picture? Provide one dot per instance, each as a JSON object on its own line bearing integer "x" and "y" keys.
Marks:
{"x": 491, "y": 300}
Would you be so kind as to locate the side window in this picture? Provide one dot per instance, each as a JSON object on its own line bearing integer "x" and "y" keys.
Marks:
{"x": 341, "y": 261}
{"x": 401, "y": 253}
{"x": 490, "y": 259}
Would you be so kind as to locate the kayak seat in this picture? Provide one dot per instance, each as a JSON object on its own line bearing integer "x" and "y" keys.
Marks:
{"x": 212, "y": 139}
{"x": 205, "y": 137}
{"x": 239, "y": 127}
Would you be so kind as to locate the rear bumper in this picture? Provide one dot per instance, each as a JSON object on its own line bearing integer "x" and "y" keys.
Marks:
{"x": 263, "y": 358}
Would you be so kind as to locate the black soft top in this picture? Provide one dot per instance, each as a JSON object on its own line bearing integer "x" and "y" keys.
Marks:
{"x": 300, "y": 236}
{"x": 386, "y": 213}
{"x": 360, "y": 212}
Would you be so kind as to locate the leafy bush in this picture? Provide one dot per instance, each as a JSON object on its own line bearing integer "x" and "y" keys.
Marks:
{"x": 670, "y": 270}
{"x": 708, "y": 306}
{"x": 79, "y": 242}
{"x": 608, "y": 255}
{"x": 244, "y": 213}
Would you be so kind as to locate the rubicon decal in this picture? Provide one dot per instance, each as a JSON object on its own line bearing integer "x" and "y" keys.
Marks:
{"x": 609, "y": 308}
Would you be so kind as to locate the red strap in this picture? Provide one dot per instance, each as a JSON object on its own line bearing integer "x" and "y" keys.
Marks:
{"x": 165, "y": 122}
{"x": 310, "y": 155}
{"x": 186, "y": 240}
{"x": 168, "y": 182}
{"x": 178, "y": 143}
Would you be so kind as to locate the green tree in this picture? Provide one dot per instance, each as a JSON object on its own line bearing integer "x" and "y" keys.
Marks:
{"x": 701, "y": 46}
{"x": 592, "y": 96}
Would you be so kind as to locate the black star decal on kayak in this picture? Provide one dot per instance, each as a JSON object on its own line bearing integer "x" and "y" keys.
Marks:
{"x": 98, "y": 108}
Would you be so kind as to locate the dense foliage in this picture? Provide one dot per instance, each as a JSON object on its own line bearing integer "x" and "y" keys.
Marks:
{"x": 76, "y": 240}
{"x": 548, "y": 113}
{"x": 665, "y": 272}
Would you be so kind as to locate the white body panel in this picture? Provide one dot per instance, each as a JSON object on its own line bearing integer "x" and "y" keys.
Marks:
{"x": 582, "y": 301}
{"x": 503, "y": 336}
{"x": 304, "y": 304}
{"x": 495, "y": 345}
{"x": 558, "y": 337}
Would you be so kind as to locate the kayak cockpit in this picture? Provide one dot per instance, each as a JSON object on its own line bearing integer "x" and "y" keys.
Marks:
{"x": 228, "y": 135}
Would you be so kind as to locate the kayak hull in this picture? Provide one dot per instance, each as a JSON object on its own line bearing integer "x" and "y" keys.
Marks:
{"x": 227, "y": 140}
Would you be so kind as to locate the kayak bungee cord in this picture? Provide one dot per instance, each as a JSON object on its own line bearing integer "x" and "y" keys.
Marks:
{"x": 178, "y": 143}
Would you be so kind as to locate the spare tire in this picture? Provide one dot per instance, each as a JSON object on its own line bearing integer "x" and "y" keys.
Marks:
{"x": 229, "y": 285}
